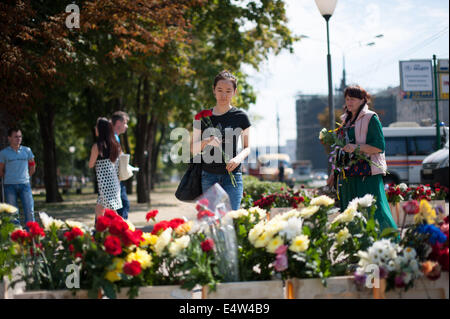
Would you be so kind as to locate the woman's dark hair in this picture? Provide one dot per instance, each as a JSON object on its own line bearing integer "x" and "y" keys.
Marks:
{"x": 225, "y": 75}
{"x": 357, "y": 92}
{"x": 108, "y": 147}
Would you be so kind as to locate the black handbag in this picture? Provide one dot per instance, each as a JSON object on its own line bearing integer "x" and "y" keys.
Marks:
{"x": 190, "y": 186}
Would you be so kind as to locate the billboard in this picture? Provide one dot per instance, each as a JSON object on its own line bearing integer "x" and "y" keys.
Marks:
{"x": 416, "y": 76}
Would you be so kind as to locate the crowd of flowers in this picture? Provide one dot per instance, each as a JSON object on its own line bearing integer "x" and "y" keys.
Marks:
{"x": 312, "y": 240}
{"x": 402, "y": 192}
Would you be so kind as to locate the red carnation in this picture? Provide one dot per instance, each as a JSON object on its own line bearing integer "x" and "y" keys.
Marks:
{"x": 161, "y": 226}
{"x": 112, "y": 245}
{"x": 111, "y": 214}
{"x": 207, "y": 244}
{"x": 19, "y": 235}
{"x": 174, "y": 223}
{"x": 74, "y": 233}
{"x": 118, "y": 226}
{"x": 132, "y": 237}
{"x": 151, "y": 215}
{"x": 132, "y": 268}
{"x": 103, "y": 223}
{"x": 443, "y": 259}
{"x": 35, "y": 229}
{"x": 205, "y": 213}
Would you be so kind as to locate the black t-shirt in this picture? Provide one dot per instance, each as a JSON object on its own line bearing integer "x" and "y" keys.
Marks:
{"x": 228, "y": 127}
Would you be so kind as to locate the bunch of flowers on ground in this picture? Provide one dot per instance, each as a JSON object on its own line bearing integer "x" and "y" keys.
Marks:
{"x": 278, "y": 200}
{"x": 353, "y": 230}
{"x": 401, "y": 192}
{"x": 7, "y": 252}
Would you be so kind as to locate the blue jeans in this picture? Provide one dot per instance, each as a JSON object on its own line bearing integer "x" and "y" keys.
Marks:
{"x": 125, "y": 202}
{"x": 12, "y": 192}
{"x": 224, "y": 180}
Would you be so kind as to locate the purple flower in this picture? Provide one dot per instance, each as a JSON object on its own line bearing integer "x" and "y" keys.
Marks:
{"x": 399, "y": 282}
{"x": 360, "y": 279}
{"x": 383, "y": 273}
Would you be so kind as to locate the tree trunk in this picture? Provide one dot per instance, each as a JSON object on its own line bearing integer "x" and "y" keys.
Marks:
{"x": 140, "y": 156}
{"x": 46, "y": 125}
{"x": 155, "y": 154}
{"x": 152, "y": 127}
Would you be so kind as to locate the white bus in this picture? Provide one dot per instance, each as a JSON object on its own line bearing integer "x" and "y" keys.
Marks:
{"x": 406, "y": 148}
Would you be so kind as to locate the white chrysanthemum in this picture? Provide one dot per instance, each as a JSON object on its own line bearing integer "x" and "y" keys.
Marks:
{"x": 163, "y": 241}
{"x": 255, "y": 232}
{"x": 391, "y": 266}
{"x": 347, "y": 216}
{"x": 274, "y": 226}
{"x": 323, "y": 200}
{"x": 262, "y": 213}
{"x": 178, "y": 245}
{"x": 308, "y": 211}
{"x": 364, "y": 259}
{"x": 366, "y": 201}
{"x": 7, "y": 208}
{"x": 342, "y": 236}
{"x": 293, "y": 228}
{"x": 73, "y": 224}
{"x": 263, "y": 240}
{"x": 235, "y": 214}
{"x": 415, "y": 267}
{"x": 48, "y": 221}
{"x": 299, "y": 244}
{"x": 290, "y": 214}
{"x": 410, "y": 253}
{"x": 403, "y": 187}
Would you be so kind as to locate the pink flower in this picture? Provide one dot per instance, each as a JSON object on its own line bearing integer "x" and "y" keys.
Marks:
{"x": 281, "y": 261}
{"x": 411, "y": 207}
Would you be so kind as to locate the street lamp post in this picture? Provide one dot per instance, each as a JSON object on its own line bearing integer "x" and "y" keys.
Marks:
{"x": 326, "y": 8}
{"x": 72, "y": 150}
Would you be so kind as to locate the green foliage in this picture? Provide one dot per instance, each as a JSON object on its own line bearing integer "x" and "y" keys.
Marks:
{"x": 255, "y": 188}
{"x": 7, "y": 255}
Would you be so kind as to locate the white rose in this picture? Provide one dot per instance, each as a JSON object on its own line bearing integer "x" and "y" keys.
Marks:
{"x": 323, "y": 200}
{"x": 163, "y": 240}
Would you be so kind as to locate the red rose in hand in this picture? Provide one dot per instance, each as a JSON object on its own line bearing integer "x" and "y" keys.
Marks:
{"x": 174, "y": 223}
{"x": 35, "y": 229}
{"x": 207, "y": 244}
{"x": 118, "y": 226}
{"x": 19, "y": 235}
{"x": 132, "y": 268}
{"x": 103, "y": 223}
{"x": 160, "y": 227}
{"x": 151, "y": 215}
{"x": 112, "y": 245}
{"x": 202, "y": 114}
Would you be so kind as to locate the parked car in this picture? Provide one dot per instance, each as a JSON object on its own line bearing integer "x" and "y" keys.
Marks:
{"x": 435, "y": 167}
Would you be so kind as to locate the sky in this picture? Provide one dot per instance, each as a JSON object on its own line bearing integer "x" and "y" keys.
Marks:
{"x": 411, "y": 29}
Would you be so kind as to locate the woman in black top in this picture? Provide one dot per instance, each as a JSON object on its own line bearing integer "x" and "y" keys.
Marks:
{"x": 218, "y": 145}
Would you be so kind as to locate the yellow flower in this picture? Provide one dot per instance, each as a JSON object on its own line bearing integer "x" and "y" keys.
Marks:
{"x": 426, "y": 213}
{"x": 274, "y": 244}
{"x": 184, "y": 228}
{"x": 149, "y": 239}
{"x": 322, "y": 201}
{"x": 141, "y": 256}
{"x": 6, "y": 208}
{"x": 342, "y": 236}
{"x": 235, "y": 214}
{"x": 262, "y": 240}
{"x": 118, "y": 264}
{"x": 299, "y": 244}
{"x": 112, "y": 276}
{"x": 274, "y": 226}
{"x": 308, "y": 211}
